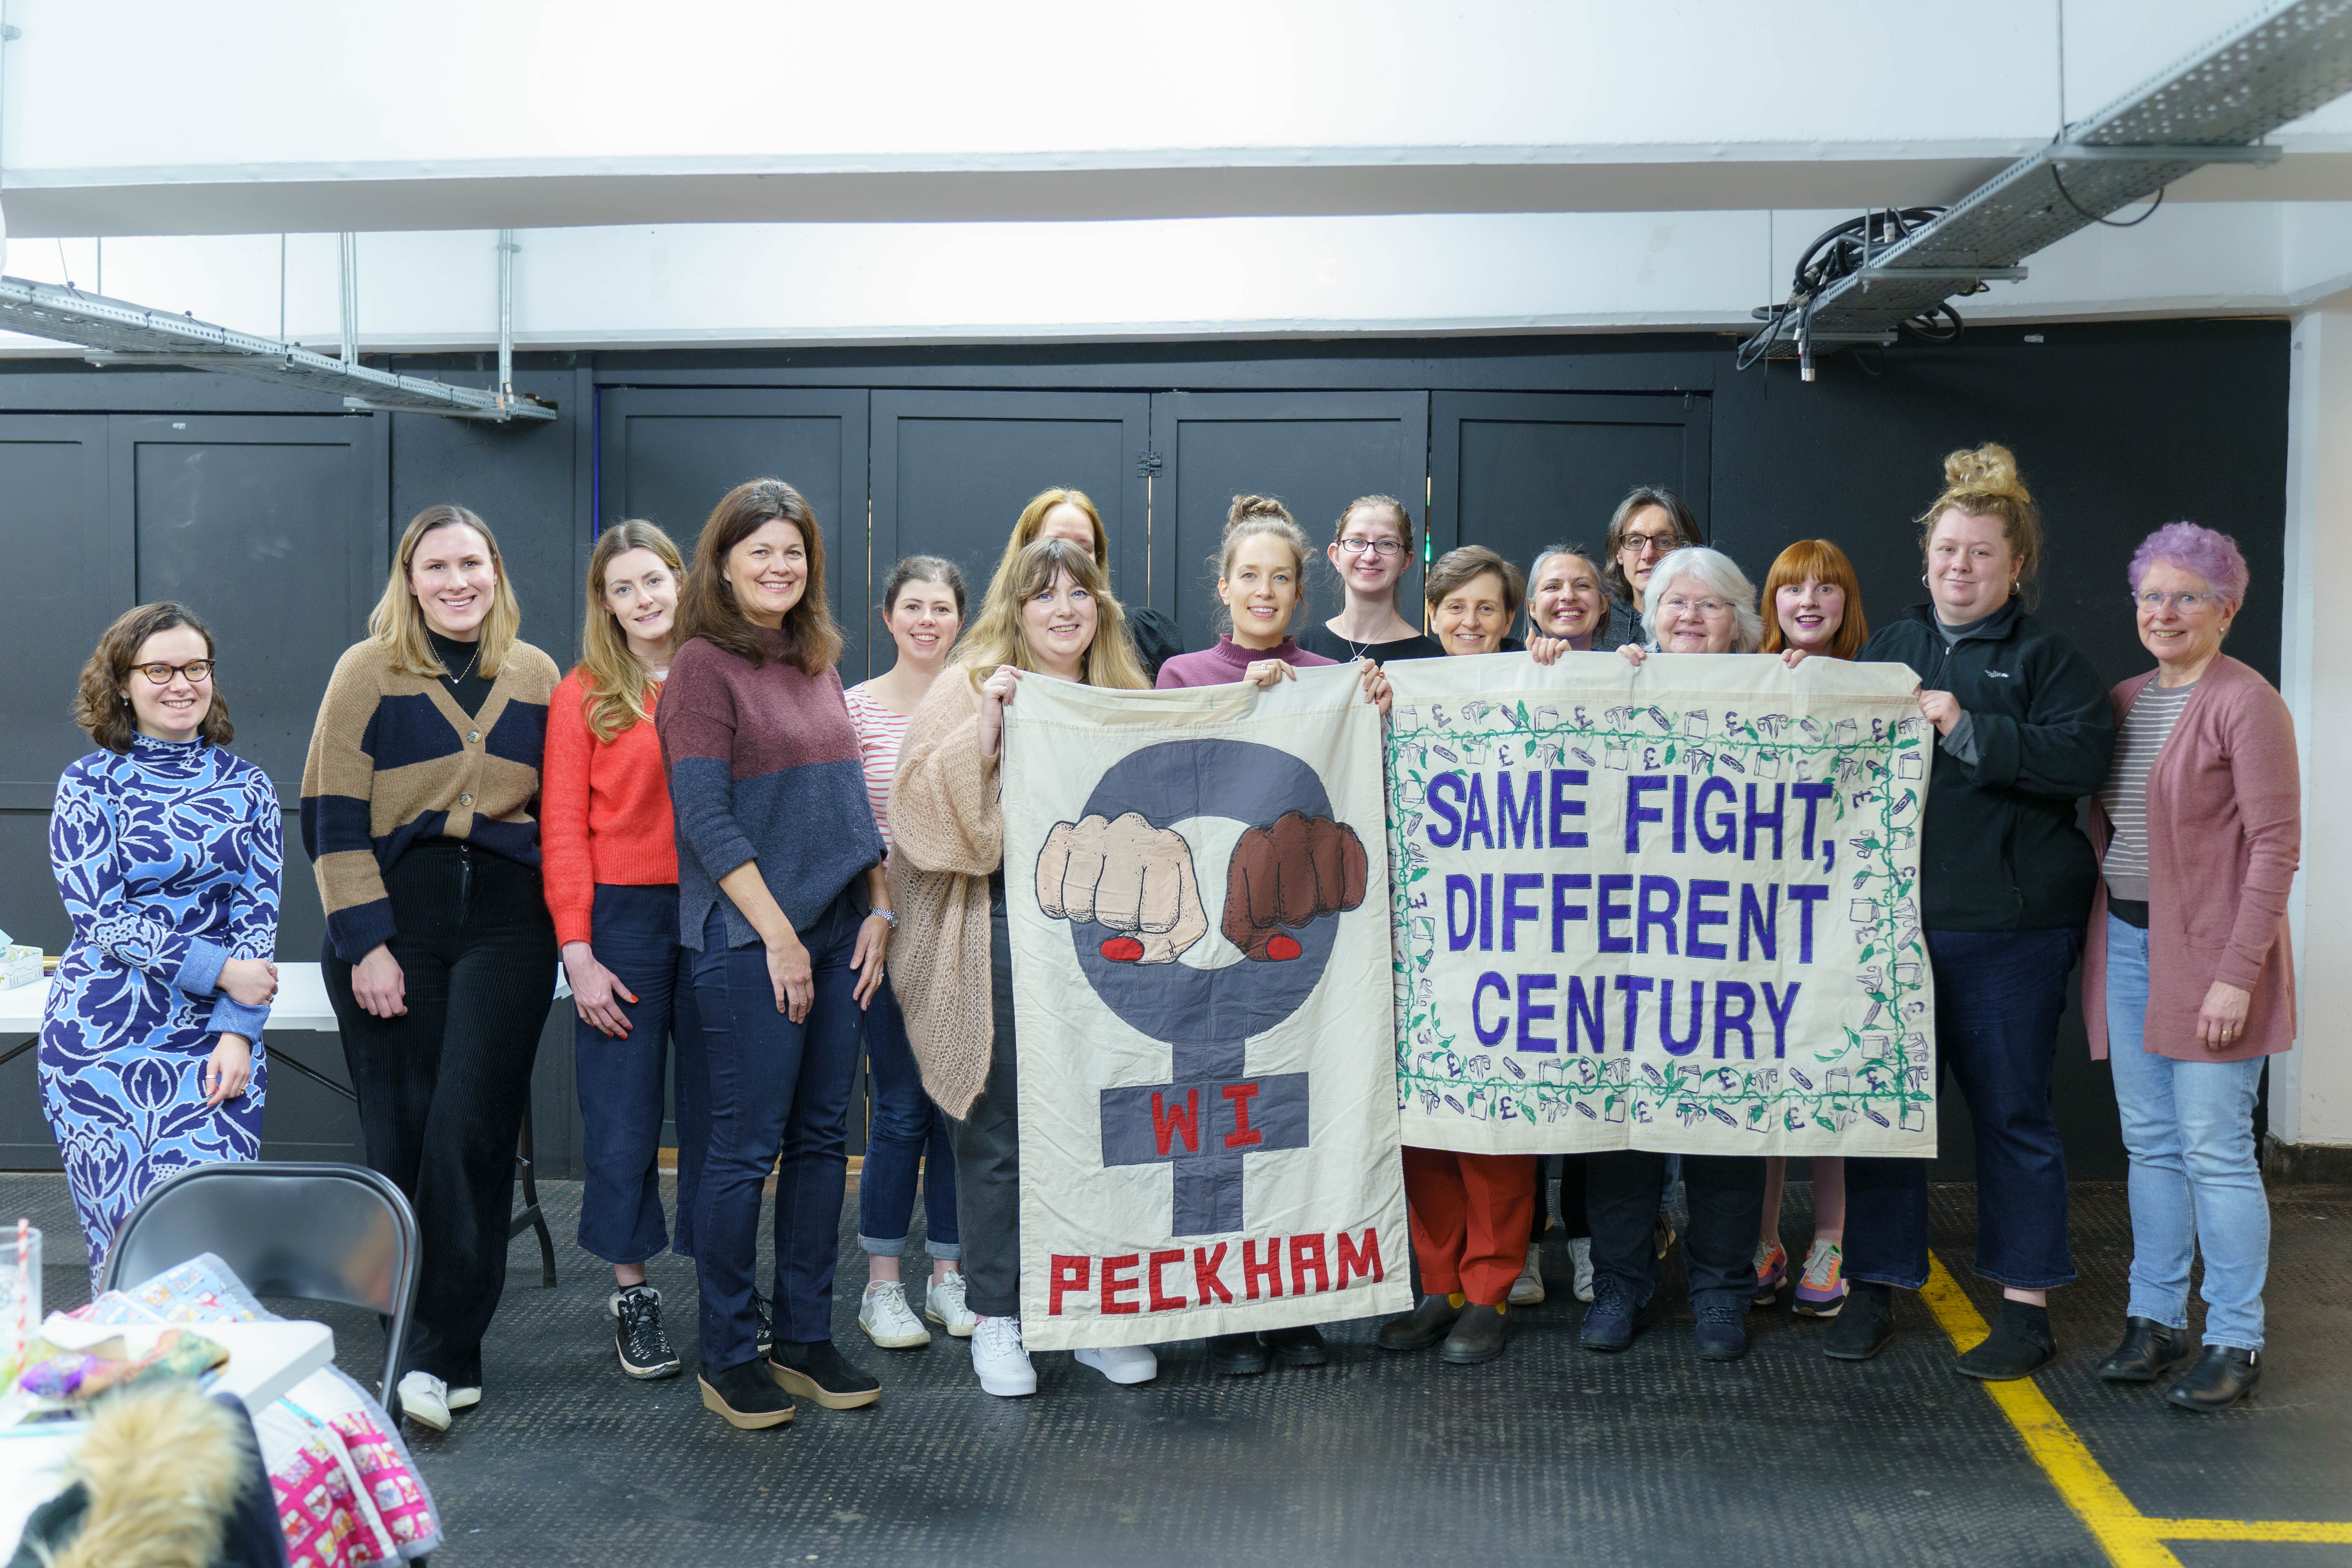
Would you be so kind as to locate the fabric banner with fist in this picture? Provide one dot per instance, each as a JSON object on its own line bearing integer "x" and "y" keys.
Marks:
{"x": 1199, "y": 969}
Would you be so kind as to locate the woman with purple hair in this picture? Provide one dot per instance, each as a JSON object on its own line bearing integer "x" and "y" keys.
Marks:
{"x": 2199, "y": 829}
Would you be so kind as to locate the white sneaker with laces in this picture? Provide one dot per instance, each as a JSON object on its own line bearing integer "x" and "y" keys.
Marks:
{"x": 463, "y": 1398}
{"x": 1123, "y": 1363}
{"x": 424, "y": 1399}
{"x": 1581, "y": 1250}
{"x": 1000, "y": 1360}
{"x": 943, "y": 1304}
{"x": 886, "y": 1319}
{"x": 1527, "y": 1289}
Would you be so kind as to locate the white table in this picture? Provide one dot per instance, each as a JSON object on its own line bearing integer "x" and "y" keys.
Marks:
{"x": 301, "y": 1006}
{"x": 265, "y": 1361}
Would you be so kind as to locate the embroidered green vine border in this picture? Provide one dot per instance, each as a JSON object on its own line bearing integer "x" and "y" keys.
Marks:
{"x": 1880, "y": 1071}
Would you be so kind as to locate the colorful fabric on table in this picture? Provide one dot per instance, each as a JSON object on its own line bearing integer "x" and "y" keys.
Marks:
{"x": 167, "y": 857}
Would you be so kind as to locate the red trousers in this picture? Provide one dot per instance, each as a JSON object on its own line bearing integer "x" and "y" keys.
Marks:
{"x": 1470, "y": 1215}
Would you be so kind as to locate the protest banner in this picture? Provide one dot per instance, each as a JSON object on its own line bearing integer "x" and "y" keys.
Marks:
{"x": 1198, "y": 906}
{"x": 1673, "y": 908}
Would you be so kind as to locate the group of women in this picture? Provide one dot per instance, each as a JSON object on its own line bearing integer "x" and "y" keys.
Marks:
{"x": 746, "y": 871}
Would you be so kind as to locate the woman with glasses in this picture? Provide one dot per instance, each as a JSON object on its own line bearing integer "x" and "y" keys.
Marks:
{"x": 1699, "y": 601}
{"x": 166, "y": 850}
{"x": 2023, "y": 731}
{"x": 1370, "y": 548}
{"x": 2198, "y": 827}
{"x": 1650, "y": 524}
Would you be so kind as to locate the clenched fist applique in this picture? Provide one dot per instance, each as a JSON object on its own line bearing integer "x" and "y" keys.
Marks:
{"x": 1135, "y": 878}
{"x": 1298, "y": 870}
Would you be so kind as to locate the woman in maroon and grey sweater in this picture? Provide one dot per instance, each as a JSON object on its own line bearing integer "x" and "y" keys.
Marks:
{"x": 780, "y": 895}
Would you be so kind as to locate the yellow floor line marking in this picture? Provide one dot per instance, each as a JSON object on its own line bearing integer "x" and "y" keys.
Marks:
{"x": 2129, "y": 1538}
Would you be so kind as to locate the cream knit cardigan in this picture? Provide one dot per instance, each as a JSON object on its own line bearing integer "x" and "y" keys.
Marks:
{"x": 946, "y": 826}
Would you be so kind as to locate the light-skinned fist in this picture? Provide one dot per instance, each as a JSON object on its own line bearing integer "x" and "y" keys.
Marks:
{"x": 1126, "y": 874}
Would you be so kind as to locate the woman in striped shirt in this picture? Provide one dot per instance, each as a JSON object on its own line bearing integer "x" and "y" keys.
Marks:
{"x": 923, "y": 600}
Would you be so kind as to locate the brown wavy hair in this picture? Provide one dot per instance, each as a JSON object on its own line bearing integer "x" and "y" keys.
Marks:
{"x": 1640, "y": 499}
{"x": 619, "y": 688}
{"x": 101, "y": 705}
{"x": 1819, "y": 559}
{"x": 1468, "y": 565}
{"x": 708, "y": 609}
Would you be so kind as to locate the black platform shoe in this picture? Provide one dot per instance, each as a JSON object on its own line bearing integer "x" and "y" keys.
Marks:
{"x": 1237, "y": 1355}
{"x": 1421, "y": 1328}
{"x": 816, "y": 1371}
{"x": 2148, "y": 1350}
{"x": 2223, "y": 1375}
{"x": 1479, "y": 1335}
{"x": 745, "y": 1397}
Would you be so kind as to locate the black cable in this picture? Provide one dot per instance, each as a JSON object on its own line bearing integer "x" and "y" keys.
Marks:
{"x": 2095, "y": 217}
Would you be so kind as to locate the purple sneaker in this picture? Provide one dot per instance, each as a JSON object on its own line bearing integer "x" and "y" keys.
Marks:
{"x": 1820, "y": 1291}
{"x": 1771, "y": 1271}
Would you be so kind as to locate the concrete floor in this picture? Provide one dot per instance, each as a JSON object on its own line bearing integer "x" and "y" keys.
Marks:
{"x": 1549, "y": 1455}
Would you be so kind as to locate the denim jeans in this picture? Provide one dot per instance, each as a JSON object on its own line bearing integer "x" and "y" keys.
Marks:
{"x": 906, "y": 1128}
{"x": 1624, "y": 1190}
{"x": 776, "y": 1086}
{"x": 1997, "y": 997}
{"x": 2189, "y": 1127}
{"x": 620, "y": 1082}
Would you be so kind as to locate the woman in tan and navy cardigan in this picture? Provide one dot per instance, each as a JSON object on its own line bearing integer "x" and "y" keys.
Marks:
{"x": 418, "y": 811}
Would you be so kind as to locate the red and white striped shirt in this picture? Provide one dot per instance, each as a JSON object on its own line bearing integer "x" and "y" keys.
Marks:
{"x": 880, "y": 734}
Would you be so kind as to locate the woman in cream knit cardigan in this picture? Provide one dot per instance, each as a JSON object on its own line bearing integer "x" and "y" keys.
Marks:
{"x": 1048, "y": 615}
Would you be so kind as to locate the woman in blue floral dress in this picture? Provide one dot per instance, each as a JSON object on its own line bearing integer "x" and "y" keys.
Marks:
{"x": 166, "y": 848}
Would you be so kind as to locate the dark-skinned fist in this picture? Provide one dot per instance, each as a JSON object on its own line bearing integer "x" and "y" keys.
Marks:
{"x": 1298, "y": 870}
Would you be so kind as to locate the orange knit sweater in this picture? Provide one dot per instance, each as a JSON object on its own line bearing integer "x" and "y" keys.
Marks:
{"x": 604, "y": 814}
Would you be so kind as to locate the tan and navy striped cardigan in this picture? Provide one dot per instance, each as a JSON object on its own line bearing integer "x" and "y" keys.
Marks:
{"x": 394, "y": 760}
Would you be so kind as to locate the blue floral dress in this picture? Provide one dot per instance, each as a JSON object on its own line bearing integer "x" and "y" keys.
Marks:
{"x": 168, "y": 861}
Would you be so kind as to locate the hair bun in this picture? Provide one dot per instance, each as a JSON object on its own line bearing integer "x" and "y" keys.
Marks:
{"x": 1989, "y": 469}
{"x": 1246, "y": 509}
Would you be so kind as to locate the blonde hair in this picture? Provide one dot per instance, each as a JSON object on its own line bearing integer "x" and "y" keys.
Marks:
{"x": 619, "y": 686}
{"x": 1032, "y": 520}
{"x": 397, "y": 626}
{"x": 998, "y": 636}
{"x": 1983, "y": 481}
{"x": 1263, "y": 517}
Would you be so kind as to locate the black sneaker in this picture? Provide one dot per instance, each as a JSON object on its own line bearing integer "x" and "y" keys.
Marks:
{"x": 2019, "y": 1346}
{"x": 821, "y": 1372}
{"x": 745, "y": 1397}
{"x": 764, "y": 1308}
{"x": 643, "y": 1347}
{"x": 1722, "y": 1317}
{"x": 1861, "y": 1329}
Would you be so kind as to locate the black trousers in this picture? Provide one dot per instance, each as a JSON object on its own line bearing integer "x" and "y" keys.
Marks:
{"x": 987, "y": 1147}
{"x": 442, "y": 1088}
{"x": 1726, "y": 1205}
{"x": 1571, "y": 1170}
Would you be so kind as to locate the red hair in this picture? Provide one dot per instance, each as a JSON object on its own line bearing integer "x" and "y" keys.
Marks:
{"x": 1816, "y": 558}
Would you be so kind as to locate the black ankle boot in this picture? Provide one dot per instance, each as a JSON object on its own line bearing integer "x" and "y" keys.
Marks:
{"x": 2019, "y": 1346}
{"x": 1237, "y": 1355}
{"x": 2148, "y": 1350}
{"x": 1421, "y": 1328}
{"x": 743, "y": 1397}
{"x": 1301, "y": 1346}
{"x": 817, "y": 1370}
{"x": 1479, "y": 1335}
{"x": 1863, "y": 1325}
{"x": 2223, "y": 1375}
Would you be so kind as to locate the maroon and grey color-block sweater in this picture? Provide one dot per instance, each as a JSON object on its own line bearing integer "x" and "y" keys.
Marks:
{"x": 764, "y": 765}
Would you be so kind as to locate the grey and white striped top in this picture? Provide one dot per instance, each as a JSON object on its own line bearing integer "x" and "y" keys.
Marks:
{"x": 2124, "y": 797}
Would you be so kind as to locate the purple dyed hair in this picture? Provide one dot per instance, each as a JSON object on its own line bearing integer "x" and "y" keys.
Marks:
{"x": 2211, "y": 554}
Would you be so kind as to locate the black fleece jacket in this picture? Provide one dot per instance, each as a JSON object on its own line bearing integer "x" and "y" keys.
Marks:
{"x": 2000, "y": 851}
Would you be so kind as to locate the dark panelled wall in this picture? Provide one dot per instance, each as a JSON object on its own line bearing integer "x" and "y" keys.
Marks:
{"x": 2119, "y": 427}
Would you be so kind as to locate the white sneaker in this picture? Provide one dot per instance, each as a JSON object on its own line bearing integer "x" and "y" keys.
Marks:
{"x": 1580, "y": 1249}
{"x": 886, "y": 1319}
{"x": 1000, "y": 1360}
{"x": 1123, "y": 1363}
{"x": 465, "y": 1398}
{"x": 943, "y": 1304}
{"x": 424, "y": 1399}
{"x": 1527, "y": 1289}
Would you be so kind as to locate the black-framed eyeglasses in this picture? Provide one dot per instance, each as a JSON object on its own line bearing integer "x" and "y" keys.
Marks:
{"x": 161, "y": 674}
{"x": 1384, "y": 548}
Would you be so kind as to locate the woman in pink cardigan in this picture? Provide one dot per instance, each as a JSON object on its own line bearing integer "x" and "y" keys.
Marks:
{"x": 2198, "y": 830}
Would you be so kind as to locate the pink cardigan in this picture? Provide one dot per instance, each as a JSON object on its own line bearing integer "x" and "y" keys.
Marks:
{"x": 2224, "y": 833}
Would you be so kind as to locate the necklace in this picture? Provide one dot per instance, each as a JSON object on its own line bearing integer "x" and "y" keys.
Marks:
{"x": 456, "y": 680}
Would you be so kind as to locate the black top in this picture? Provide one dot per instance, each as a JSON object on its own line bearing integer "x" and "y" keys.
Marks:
{"x": 1154, "y": 637}
{"x": 462, "y": 659}
{"x": 1320, "y": 638}
{"x": 1999, "y": 849}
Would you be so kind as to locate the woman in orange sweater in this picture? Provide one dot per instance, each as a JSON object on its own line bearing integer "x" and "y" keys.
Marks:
{"x": 611, "y": 868}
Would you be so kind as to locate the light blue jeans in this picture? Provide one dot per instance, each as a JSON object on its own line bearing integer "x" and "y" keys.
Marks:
{"x": 2190, "y": 1129}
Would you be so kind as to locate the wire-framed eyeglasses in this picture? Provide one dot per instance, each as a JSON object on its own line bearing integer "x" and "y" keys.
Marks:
{"x": 161, "y": 674}
{"x": 2189, "y": 603}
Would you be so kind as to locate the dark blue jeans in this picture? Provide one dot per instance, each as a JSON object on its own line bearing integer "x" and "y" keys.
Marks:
{"x": 1997, "y": 997}
{"x": 776, "y": 1087}
{"x": 906, "y": 1128}
{"x": 620, "y": 1082}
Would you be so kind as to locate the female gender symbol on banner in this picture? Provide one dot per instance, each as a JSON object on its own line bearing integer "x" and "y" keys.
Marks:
{"x": 1124, "y": 880}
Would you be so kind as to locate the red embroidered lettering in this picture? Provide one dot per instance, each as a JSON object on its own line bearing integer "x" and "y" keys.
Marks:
{"x": 1364, "y": 1262}
{"x": 1244, "y": 1134}
{"x": 1307, "y": 1256}
{"x": 1209, "y": 1275}
{"x": 1270, "y": 1270}
{"x": 1114, "y": 1286}
{"x": 1160, "y": 1300}
{"x": 1183, "y": 1122}
{"x": 1070, "y": 1274}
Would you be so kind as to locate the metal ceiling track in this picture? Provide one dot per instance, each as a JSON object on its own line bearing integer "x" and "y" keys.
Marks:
{"x": 119, "y": 333}
{"x": 2212, "y": 108}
